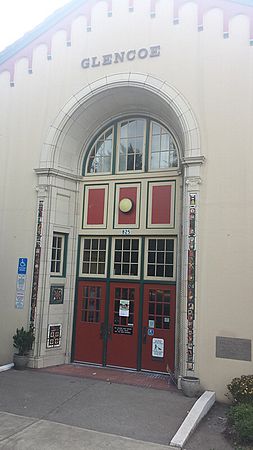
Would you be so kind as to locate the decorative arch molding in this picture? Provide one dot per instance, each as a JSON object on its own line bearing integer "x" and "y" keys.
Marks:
{"x": 109, "y": 97}
{"x": 60, "y": 179}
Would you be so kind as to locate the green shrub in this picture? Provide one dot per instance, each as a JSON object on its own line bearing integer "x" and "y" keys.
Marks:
{"x": 23, "y": 340}
{"x": 241, "y": 389}
{"x": 240, "y": 422}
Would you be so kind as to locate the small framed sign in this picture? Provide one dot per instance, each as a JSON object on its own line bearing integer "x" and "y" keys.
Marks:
{"x": 157, "y": 348}
{"x": 56, "y": 295}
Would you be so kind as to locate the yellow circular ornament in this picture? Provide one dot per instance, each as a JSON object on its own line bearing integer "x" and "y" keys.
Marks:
{"x": 125, "y": 205}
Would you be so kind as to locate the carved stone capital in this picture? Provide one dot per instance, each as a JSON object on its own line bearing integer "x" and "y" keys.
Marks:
{"x": 42, "y": 191}
{"x": 193, "y": 183}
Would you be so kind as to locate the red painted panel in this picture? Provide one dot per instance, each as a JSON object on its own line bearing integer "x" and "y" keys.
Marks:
{"x": 130, "y": 217}
{"x": 161, "y": 205}
{"x": 96, "y": 204}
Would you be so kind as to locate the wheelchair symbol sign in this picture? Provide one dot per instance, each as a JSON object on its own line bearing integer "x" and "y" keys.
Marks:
{"x": 22, "y": 266}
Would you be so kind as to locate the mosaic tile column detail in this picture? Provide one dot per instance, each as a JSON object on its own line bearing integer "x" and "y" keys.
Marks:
{"x": 36, "y": 265}
{"x": 191, "y": 270}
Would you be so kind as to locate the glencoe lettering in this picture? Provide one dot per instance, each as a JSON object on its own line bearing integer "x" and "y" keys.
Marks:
{"x": 120, "y": 57}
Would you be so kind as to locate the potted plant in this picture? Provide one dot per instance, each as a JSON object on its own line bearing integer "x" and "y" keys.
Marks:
{"x": 23, "y": 341}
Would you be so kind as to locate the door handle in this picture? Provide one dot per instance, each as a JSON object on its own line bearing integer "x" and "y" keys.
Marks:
{"x": 144, "y": 337}
{"x": 110, "y": 332}
{"x": 102, "y": 330}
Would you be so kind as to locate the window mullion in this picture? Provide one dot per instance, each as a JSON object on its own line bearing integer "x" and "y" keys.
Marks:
{"x": 115, "y": 146}
{"x": 147, "y": 150}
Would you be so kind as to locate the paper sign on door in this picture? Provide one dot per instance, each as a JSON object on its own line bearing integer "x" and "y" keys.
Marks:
{"x": 157, "y": 348}
{"x": 124, "y": 308}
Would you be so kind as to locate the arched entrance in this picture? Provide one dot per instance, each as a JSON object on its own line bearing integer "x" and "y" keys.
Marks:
{"x": 103, "y": 104}
{"x": 128, "y": 247}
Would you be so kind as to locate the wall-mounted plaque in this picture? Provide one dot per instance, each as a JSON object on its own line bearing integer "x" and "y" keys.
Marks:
{"x": 56, "y": 295}
{"x": 233, "y": 348}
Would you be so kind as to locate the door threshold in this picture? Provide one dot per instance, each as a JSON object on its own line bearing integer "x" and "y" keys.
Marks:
{"x": 87, "y": 364}
{"x": 156, "y": 372}
{"x": 126, "y": 369}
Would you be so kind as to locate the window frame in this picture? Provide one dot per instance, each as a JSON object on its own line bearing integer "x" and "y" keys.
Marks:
{"x": 149, "y": 169}
{"x": 122, "y": 276}
{"x": 153, "y": 277}
{"x": 118, "y": 140}
{"x": 92, "y": 275}
{"x": 62, "y": 272}
{"x": 147, "y": 147}
{"x": 91, "y": 146}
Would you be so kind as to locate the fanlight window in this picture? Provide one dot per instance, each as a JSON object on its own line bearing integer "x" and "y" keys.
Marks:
{"x": 100, "y": 160}
{"x": 133, "y": 145}
{"x": 163, "y": 148}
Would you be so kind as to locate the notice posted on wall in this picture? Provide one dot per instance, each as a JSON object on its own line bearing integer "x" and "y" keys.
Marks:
{"x": 20, "y": 283}
{"x": 157, "y": 348}
{"x": 124, "y": 306}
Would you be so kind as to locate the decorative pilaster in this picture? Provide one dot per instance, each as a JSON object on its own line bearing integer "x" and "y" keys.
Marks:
{"x": 192, "y": 202}
{"x": 37, "y": 254}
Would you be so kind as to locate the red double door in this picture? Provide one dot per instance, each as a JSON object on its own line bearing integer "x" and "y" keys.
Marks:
{"x": 113, "y": 333}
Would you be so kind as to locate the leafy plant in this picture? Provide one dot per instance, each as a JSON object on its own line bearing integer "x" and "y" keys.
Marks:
{"x": 240, "y": 421}
{"x": 23, "y": 340}
{"x": 241, "y": 389}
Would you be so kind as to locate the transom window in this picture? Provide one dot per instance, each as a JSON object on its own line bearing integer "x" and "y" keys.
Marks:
{"x": 93, "y": 256}
{"x": 131, "y": 145}
{"x": 160, "y": 258}
{"x": 163, "y": 148}
{"x": 100, "y": 159}
{"x": 134, "y": 144}
{"x": 126, "y": 257}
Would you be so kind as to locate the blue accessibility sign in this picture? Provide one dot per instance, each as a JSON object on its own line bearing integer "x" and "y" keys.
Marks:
{"x": 22, "y": 266}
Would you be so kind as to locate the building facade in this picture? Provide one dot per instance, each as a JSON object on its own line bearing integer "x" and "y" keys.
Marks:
{"x": 126, "y": 187}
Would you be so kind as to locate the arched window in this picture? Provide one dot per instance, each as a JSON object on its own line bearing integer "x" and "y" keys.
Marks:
{"x": 100, "y": 158}
{"x": 133, "y": 145}
{"x": 131, "y": 149}
{"x": 163, "y": 148}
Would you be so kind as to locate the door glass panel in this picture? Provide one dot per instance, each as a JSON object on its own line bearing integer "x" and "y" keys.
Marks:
{"x": 124, "y": 306}
{"x": 159, "y": 308}
{"x": 91, "y": 304}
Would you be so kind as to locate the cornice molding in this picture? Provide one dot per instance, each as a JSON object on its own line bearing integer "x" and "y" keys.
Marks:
{"x": 193, "y": 161}
{"x": 58, "y": 174}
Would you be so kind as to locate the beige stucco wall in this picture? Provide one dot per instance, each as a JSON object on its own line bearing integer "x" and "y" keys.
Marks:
{"x": 215, "y": 76}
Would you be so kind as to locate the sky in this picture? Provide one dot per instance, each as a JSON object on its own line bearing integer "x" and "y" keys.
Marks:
{"x": 19, "y": 16}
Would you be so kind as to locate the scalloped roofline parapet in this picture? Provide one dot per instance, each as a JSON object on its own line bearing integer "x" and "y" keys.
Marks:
{"x": 63, "y": 18}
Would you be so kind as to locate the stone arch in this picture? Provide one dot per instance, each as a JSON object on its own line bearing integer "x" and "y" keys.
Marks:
{"x": 86, "y": 112}
{"x": 110, "y": 97}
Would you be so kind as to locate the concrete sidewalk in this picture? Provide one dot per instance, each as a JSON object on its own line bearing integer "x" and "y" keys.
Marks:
{"x": 40, "y": 410}
{"x": 23, "y": 433}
